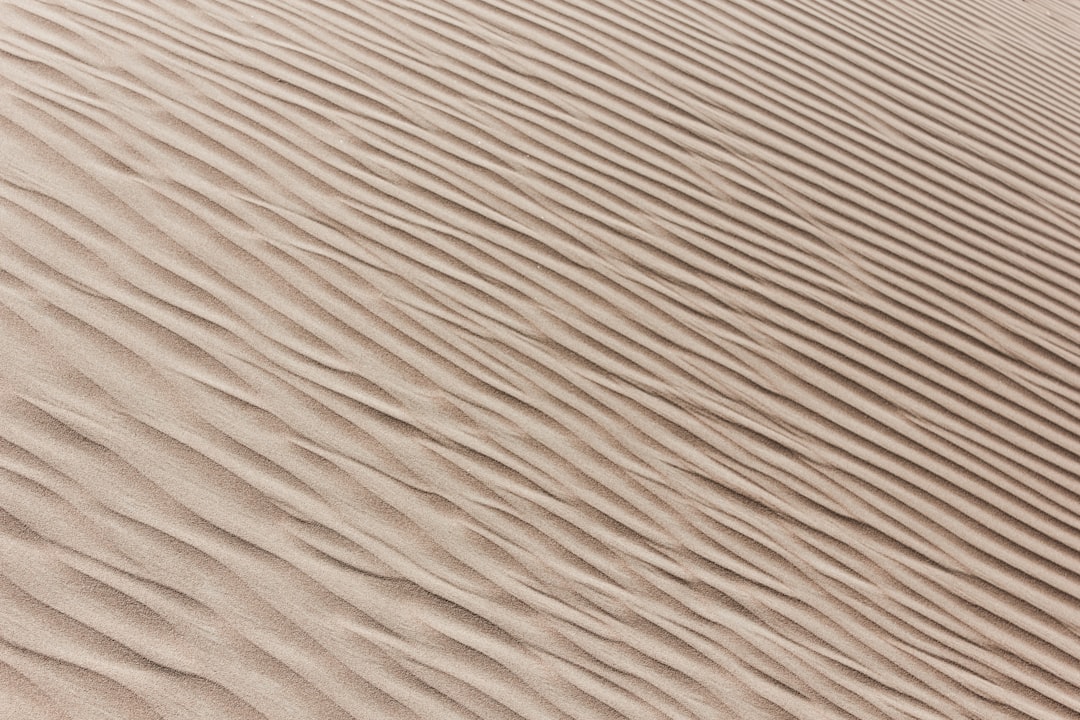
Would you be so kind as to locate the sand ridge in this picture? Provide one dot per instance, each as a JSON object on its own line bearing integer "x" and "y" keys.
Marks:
{"x": 545, "y": 359}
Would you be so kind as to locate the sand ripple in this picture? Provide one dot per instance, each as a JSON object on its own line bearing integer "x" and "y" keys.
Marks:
{"x": 539, "y": 359}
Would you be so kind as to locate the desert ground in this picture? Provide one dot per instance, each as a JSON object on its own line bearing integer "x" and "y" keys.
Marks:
{"x": 546, "y": 359}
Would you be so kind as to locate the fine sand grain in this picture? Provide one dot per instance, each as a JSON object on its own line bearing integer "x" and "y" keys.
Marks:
{"x": 539, "y": 359}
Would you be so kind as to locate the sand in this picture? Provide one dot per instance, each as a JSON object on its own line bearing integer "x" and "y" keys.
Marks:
{"x": 539, "y": 359}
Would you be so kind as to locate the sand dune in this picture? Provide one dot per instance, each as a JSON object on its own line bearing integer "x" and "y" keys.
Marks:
{"x": 539, "y": 359}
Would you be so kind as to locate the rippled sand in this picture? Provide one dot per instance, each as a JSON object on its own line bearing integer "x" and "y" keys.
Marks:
{"x": 539, "y": 359}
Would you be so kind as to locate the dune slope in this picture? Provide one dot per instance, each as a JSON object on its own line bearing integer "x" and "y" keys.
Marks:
{"x": 539, "y": 359}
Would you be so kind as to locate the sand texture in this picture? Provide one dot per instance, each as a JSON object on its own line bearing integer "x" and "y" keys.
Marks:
{"x": 546, "y": 359}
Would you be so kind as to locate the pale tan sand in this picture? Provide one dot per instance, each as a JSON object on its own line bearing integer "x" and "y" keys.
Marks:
{"x": 539, "y": 359}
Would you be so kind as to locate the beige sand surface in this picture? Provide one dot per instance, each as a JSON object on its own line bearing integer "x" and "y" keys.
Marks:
{"x": 539, "y": 359}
